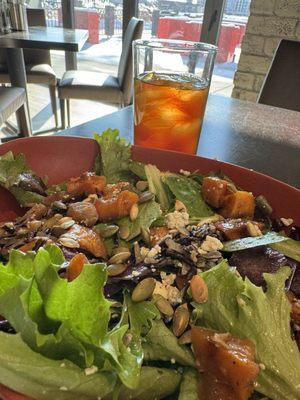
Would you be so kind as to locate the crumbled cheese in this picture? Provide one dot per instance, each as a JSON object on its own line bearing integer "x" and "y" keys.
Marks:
{"x": 154, "y": 251}
{"x": 166, "y": 290}
{"x": 287, "y": 221}
{"x": 62, "y": 365}
{"x": 63, "y": 388}
{"x": 177, "y": 219}
{"x": 144, "y": 251}
{"x": 160, "y": 289}
{"x": 173, "y": 361}
{"x": 262, "y": 366}
{"x": 167, "y": 279}
{"x": 211, "y": 244}
{"x": 186, "y": 173}
{"x": 91, "y": 370}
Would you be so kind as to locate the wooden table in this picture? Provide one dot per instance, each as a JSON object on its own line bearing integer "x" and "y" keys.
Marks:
{"x": 46, "y": 38}
{"x": 264, "y": 138}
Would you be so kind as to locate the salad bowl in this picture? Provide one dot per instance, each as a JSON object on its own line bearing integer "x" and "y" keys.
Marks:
{"x": 137, "y": 273}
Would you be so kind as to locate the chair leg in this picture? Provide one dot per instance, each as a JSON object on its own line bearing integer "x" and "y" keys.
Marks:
{"x": 23, "y": 121}
{"x": 52, "y": 91}
{"x": 69, "y": 112}
{"x": 63, "y": 112}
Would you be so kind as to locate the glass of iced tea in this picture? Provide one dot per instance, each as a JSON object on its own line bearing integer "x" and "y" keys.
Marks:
{"x": 171, "y": 85}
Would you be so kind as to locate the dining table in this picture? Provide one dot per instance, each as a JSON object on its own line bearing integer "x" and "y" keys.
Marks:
{"x": 43, "y": 38}
{"x": 252, "y": 135}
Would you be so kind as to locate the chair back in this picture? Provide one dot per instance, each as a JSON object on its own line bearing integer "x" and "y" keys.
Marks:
{"x": 125, "y": 71}
{"x": 281, "y": 87}
{"x": 36, "y": 17}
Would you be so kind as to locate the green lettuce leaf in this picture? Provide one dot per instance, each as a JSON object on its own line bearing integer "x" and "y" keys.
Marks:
{"x": 34, "y": 375}
{"x": 289, "y": 247}
{"x": 114, "y": 158}
{"x": 158, "y": 188}
{"x": 148, "y": 212}
{"x": 12, "y": 169}
{"x": 250, "y": 242}
{"x": 41, "y": 378}
{"x": 161, "y": 344}
{"x": 65, "y": 320}
{"x": 246, "y": 311}
{"x": 189, "y": 385}
{"x": 138, "y": 169}
{"x": 140, "y": 315}
{"x": 188, "y": 191}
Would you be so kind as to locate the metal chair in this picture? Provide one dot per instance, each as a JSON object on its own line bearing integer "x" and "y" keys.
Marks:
{"x": 13, "y": 100}
{"x": 99, "y": 86}
{"x": 37, "y": 62}
{"x": 281, "y": 87}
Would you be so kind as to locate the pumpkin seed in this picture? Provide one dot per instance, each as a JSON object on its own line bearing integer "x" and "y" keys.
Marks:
{"x": 143, "y": 290}
{"x": 57, "y": 231}
{"x": 199, "y": 289}
{"x": 185, "y": 338}
{"x": 146, "y": 235}
{"x": 115, "y": 269}
{"x": 137, "y": 253}
{"x": 180, "y": 320}
{"x": 142, "y": 185}
{"x": 134, "y": 212}
{"x": 66, "y": 222}
{"x": 59, "y": 205}
{"x": 117, "y": 250}
{"x": 69, "y": 242}
{"x": 124, "y": 232}
{"x": 106, "y": 230}
{"x": 119, "y": 257}
{"x": 146, "y": 196}
{"x": 163, "y": 305}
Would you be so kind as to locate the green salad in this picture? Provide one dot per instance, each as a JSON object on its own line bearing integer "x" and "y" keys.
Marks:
{"x": 128, "y": 282}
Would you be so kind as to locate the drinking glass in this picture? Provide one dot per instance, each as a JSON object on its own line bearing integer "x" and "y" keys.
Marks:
{"x": 171, "y": 85}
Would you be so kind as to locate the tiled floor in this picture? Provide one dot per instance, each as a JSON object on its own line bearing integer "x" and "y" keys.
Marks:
{"x": 103, "y": 57}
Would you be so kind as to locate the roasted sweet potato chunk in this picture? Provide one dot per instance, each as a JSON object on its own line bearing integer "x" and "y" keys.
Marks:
{"x": 235, "y": 228}
{"x": 214, "y": 191}
{"x": 117, "y": 206}
{"x": 83, "y": 212}
{"x": 88, "y": 240}
{"x": 76, "y": 266}
{"x": 238, "y": 205}
{"x": 227, "y": 363}
{"x": 87, "y": 183}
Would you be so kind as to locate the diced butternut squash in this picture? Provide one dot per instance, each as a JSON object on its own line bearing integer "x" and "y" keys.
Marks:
{"x": 227, "y": 363}
{"x": 117, "y": 206}
{"x": 238, "y": 205}
{"x": 157, "y": 233}
{"x": 76, "y": 266}
{"x": 87, "y": 183}
{"x": 88, "y": 240}
{"x": 214, "y": 191}
{"x": 113, "y": 189}
{"x": 235, "y": 228}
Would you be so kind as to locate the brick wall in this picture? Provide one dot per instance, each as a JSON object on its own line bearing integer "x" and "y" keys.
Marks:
{"x": 269, "y": 21}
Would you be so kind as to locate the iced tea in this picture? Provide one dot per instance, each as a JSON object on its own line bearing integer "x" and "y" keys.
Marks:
{"x": 169, "y": 110}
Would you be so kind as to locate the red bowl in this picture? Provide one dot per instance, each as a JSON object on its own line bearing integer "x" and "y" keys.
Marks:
{"x": 61, "y": 158}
